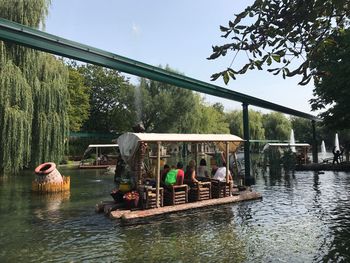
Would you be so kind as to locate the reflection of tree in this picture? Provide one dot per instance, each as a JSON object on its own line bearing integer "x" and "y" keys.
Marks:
{"x": 339, "y": 223}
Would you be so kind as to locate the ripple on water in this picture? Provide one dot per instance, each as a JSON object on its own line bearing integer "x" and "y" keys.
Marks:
{"x": 302, "y": 218}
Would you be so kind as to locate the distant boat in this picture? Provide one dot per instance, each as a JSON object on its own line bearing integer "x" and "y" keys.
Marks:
{"x": 99, "y": 156}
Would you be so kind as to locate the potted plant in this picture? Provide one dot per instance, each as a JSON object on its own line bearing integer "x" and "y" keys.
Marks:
{"x": 131, "y": 199}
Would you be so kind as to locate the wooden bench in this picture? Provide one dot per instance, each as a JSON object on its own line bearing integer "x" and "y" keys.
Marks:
{"x": 149, "y": 198}
{"x": 176, "y": 194}
{"x": 200, "y": 191}
{"x": 221, "y": 189}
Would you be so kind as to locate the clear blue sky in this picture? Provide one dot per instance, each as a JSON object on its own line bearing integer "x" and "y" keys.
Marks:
{"x": 178, "y": 33}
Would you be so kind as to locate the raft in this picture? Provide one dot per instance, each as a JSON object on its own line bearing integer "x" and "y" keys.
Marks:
{"x": 138, "y": 216}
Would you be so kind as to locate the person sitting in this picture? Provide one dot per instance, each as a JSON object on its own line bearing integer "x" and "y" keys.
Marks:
{"x": 202, "y": 169}
{"x": 163, "y": 173}
{"x": 220, "y": 172}
{"x": 190, "y": 175}
{"x": 180, "y": 173}
{"x": 170, "y": 178}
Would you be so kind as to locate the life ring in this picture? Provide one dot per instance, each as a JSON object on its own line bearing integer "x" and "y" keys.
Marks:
{"x": 45, "y": 168}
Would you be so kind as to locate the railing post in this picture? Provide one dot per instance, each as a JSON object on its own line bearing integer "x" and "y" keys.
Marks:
{"x": 248, "y": 180}
{"x": 314, "y": 143}
{"x": 158, "y": 176}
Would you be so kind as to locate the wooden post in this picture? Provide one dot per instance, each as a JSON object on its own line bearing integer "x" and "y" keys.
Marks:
{"x": 96, "y": 155}
{"x": 158, "y": 175}
{"x": 196, "y": 156}
{"x": 227, "y": 161}
{"x": 247, "y": 177}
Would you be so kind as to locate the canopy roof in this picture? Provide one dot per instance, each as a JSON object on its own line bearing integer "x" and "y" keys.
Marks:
{"x": 128, "y": 142}
{"x": 102, "y": 145}
{"x": 175, "y": 137}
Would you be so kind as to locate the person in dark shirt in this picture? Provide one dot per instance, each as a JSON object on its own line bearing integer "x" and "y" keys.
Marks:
{"x": 337, "y": 154}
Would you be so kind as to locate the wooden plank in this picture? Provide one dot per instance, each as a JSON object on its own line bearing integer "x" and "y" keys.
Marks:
{"x": 128, "y": 217}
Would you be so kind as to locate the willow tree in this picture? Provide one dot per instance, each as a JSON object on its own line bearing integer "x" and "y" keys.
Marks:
{"x": 33, "y": 95}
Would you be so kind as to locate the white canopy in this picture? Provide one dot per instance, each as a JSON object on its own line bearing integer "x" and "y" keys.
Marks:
{"x": 102, "y": 145}
{"x": 285, "y": 145}
{"x": 128, "y": 141}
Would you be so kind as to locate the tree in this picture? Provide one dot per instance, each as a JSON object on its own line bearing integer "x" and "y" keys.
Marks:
{"x": 79, "y": 105}
{"x": 302, "y": 129}
{"x": 212, "y": 118}
{"x": 277, "y": 126}
{"x": 111, "y": 100}
{"x": 166, "y": 108}
{"x": 33, "y": 96}
{"x": 332, "y": 90}
{"x": 281, "y": 32}
{"x": 256, "y": 129}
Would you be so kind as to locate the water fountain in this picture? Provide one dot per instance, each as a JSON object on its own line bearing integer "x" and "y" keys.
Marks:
{"x": 323, "y": 150}
{"x": 336, "y": 143}
{"x": 292, "y": 141}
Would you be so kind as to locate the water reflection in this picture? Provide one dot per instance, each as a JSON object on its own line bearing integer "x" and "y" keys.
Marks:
{"x": 208, "y": 236}
{"x": 49, "y": 207}
{"x": 303, "y": 217}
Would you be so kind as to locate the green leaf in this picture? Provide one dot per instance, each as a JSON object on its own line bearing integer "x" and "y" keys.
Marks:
{"x": 269, "y": 61}
{"x": 223, "y": 29}
{"x": 226, "y": 77}
{"x": 276, "y": 57}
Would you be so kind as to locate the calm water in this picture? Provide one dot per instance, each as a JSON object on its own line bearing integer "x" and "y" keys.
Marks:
{"x": 302, "y": 218}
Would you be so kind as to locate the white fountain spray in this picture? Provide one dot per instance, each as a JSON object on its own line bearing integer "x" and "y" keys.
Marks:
{"x": 323, "y": 150}
{"x": 292, "y": 141}
{"x": 336, "y": 143}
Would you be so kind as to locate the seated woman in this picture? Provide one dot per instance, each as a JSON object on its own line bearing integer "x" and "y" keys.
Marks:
{"x": 190, "y": 174}
{"x": 202, "y": 169}
{"x": 220, "y": 172}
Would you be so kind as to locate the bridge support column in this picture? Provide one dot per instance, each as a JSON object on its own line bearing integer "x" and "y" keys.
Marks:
{"x": 248, "y": 179}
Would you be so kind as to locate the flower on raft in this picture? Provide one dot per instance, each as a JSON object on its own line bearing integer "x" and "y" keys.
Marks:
{"x": 131, "y": 195}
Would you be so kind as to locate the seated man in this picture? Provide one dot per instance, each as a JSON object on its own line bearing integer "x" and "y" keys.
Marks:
{"x": 163, "y": 174}
{"x": 175, "y": 175}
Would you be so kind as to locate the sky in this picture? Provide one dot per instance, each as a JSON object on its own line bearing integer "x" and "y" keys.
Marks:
{"x": 176, "y": 33}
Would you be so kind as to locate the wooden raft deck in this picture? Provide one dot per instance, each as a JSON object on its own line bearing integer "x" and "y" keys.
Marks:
{"x": 144, "y": 216}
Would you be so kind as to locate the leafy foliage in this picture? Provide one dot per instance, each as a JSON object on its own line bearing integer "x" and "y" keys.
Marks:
{"x": 50, "y": 116}
{"x": 256, "y": 129}
{"x": 281, "y": 32}
{"x": 33, "y": 101}
{"x": 332, "y": 92}
{"x": 277, "y": 126}
{"x": 79, "y": 96}
{"x": 302, "y": 129}
{"x": 166, "y": 108}
{"x": 111, "y": 99}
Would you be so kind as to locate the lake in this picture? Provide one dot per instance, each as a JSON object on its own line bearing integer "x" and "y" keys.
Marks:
{"x": 302, "y": 218}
